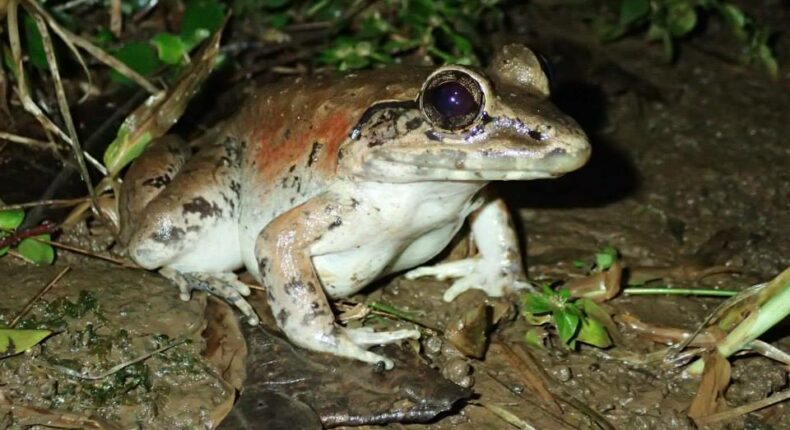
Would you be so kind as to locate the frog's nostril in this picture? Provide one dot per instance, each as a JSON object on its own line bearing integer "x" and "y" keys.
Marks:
{"x": 535, "y": 134}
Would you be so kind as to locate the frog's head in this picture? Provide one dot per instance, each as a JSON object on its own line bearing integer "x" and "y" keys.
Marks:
{"x": 467, "y": 125}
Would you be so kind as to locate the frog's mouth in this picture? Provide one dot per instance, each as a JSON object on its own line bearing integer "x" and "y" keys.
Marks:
{"x": 469, "y": 162}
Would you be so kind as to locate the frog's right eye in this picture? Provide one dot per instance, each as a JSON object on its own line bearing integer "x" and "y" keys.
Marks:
{"x": 451, "y": 100}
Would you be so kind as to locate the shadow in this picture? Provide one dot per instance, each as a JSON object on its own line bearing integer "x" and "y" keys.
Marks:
{"x": 609, "y": 176}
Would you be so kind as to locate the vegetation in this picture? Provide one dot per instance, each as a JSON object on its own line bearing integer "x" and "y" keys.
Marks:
{"x": 668, "y": 21}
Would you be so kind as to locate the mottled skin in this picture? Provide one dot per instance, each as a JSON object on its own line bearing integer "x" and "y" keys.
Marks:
{"x": 321, "y": 185}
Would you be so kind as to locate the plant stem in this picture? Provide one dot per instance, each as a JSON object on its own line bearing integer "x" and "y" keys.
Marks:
{"x": 678, "y": 291}
{"x": 775, "y": 309}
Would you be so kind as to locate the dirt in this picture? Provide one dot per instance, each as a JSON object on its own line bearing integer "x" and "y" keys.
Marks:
{"x": 689, "y": 169}
{"x": 126, "y": 315}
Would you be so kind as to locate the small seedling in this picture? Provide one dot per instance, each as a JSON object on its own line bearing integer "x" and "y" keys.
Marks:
{"x": 571, "y": 317}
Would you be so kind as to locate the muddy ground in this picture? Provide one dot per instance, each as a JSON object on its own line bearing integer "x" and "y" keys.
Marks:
{"x": 689, "y": 169}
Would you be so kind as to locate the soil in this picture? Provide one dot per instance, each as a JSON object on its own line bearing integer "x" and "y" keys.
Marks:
{"x": 689, "y": 170}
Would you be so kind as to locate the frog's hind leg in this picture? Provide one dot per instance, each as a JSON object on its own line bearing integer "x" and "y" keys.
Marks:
{"x": 189, "y": 228}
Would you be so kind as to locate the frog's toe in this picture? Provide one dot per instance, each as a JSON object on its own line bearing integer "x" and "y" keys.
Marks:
{"x": 493, "y": 277}
{"x": 442, "y": 271}
{"x": 223, "y": 285}
{"x": 366, "y": 337}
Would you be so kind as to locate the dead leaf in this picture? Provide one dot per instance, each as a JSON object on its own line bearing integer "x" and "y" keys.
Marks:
{"x": 710, "y": 394}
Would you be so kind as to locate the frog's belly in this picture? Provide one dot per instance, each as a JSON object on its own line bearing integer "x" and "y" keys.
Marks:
{"x": 344, "y": 273}
{"x": 393, "y": 227}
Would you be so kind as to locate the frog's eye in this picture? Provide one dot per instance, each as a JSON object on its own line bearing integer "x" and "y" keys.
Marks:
{"x": 451, "y": 100}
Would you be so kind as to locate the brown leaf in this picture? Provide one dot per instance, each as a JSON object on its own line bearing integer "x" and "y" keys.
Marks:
{"x": 710, "y": 394}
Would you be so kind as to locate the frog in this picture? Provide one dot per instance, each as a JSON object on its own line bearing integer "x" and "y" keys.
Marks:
{"x": 320, "y": 185}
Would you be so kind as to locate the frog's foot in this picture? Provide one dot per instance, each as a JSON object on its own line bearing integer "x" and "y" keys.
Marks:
{"x": 366, "y": 337}
{"x": 473, "y": 273}
{"x": 224, "y": 285}
{"x": 354, "y": 342}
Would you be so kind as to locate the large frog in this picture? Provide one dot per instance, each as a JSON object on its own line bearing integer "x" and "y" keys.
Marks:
{"x": 323, "y": 184}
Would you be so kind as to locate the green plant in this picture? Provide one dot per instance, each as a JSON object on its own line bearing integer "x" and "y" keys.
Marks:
{"x": 669, "y": 20}
{"x": 201, "y": 18}
{"x": 572, "y": 318}
{"x": 379, "y": 32}
{"x": 33, "y": 248}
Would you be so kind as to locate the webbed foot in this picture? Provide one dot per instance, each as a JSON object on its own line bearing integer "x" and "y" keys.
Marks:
{"x": 224, "y": 285}
{"x": 473, "y": 273}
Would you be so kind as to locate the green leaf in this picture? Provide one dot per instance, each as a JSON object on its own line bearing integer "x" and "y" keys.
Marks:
{"x": 140, "y": 57}
{"x": 632, "y": 11}
{"x": 536, "y": 304}
{"x": 34, "y": 44}
{"x": 17, "y": 341}
{"x": 533, "y": 338}
{"x": 170, "y": 48}
{"x": 567, "y": 322}
{"x": 201, "y": 18}
{"x": 35, "y": 251}
{"x": 606, "y": 257}
{"x": 11, "y": 219}
{"x": 681, "y": 19}
{"x": 768, "y": 61}
{"x": 592, "y": 332}
{"x": 733, "y": 15}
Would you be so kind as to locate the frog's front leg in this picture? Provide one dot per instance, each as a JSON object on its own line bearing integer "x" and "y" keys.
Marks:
{"x": 294, "y": 291}
{"x": 497, "y": 267}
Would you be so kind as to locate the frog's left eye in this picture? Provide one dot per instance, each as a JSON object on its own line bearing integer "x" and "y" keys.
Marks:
{"x": 451, "y": 100}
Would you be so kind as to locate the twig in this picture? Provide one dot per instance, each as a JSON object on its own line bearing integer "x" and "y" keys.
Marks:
{"x": 82, "y": 251}
{"x": 26, "y": 141}
{"x": 634, "y": 291}
{"x": 40, "y": 294}
{"x": 743, "y": 410}
{"x": 18, "y": 236}
{"x": 118, "y": 367}
{"x": 51, "y": 202}
{"x": 505, "y": 415}
{"x": 63, "y": 105}
{"x": 531, "y": 379}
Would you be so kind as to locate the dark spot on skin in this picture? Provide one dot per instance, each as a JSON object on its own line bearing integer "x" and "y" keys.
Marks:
{"x": 315, "y": 305}
{"x": 269, "y": 295}
{"x": 282, "y": 317}
{"x": 193, "y": 228}
{"x": 263, "y": 265}
{"x": 313, "y": 157}
{"x": 535, "y": 134}
{"x": 431, "y": 135}
{"x": 293, "y": 199}
{"x": 297, "y": 288}
{"x": 336, "y": 223}
{"x": 413, "y": 123}
{"x": 292, "y": 168}
{"x": 236, "y": 187}
{"x": 354, "y": 202}
{"x": 287, "y": 134}
{"x": 167, "y": 235}
{"x": 201, "y": 206}
{"x": 158, "y": 182}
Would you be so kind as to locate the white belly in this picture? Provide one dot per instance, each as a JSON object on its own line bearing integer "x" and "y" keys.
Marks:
{"x": 395, "y": 227}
